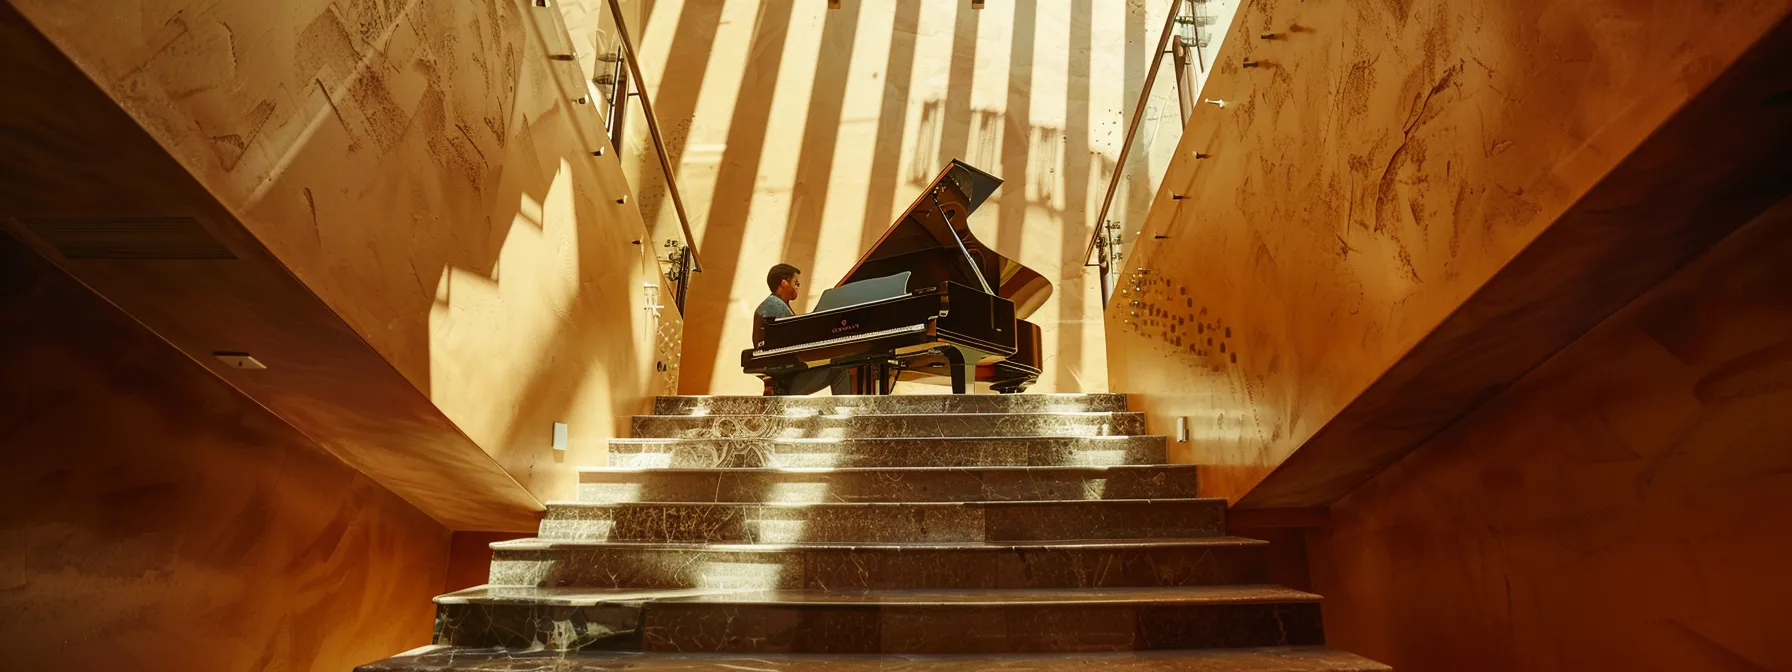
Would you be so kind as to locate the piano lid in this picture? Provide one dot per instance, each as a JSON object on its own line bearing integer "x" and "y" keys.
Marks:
{"x": 920, "y": 242}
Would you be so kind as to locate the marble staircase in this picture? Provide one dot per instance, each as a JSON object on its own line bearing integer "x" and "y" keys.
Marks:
{"x": 924, "y": 533}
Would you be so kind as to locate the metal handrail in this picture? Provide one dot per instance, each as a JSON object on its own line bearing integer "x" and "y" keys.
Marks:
{"x": 653, "y": 129}
{"x": 1132, "y": 129}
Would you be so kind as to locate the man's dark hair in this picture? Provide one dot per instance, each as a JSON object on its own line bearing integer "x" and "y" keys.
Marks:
{"x": 779, "y": 274}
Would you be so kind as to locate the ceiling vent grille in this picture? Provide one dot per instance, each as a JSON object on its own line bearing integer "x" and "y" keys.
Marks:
{"x": 129, "y": 238}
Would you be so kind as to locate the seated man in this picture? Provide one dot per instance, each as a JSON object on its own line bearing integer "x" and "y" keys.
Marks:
{"x": 784, "y": 280}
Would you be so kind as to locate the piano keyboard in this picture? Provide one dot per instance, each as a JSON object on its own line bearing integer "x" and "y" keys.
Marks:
{"x": 843, "y": 339}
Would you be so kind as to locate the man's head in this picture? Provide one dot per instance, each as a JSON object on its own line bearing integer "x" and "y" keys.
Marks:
{"x": 783, "y": 280}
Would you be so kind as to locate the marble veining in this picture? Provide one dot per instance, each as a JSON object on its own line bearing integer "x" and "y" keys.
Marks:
{"x": 888, "y": 484}
{"x": 579, "y": 596}
{"x": 1261, "y": 659}
{"x": 877, "y": 621}
{"x": 742, "y": 452}
{"x": 863, "y": 566}
{"x": 979, "y": 628}
{"x": 854, "y": 526}
{"x": 885, "y": 522}
{"x": 919, "y": 403}
{"x": 922, "y": 425}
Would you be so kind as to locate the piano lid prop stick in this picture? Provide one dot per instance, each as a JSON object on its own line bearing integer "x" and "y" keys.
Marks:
{"x": 961, "y": 248}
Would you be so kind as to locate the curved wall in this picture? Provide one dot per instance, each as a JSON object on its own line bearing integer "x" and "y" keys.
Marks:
{"x": 424, "y": 168}
{"x": 155, "y": 519}
{"x": 1623, "y": 507}
{"x": 1374, "y": 165}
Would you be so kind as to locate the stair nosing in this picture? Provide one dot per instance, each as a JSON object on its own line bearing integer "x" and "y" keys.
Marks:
{"x": 843, "y": 439}
{"x": 824, "y": 470}
{"x": 1004, "y": 414}
{"x": 1171, "y": 595}
{"x": 540, "y": 544}
{"x": 940, "y": 395}
{"x": 934, "y": 662}
{"x": 958, "y": 503}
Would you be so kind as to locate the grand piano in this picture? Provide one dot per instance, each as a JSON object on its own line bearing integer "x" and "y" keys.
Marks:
{"x": 927, "y": 303}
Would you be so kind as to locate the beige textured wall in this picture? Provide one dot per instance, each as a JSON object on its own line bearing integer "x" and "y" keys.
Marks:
{"x": 1623, "y": 507}
{"x": 1382, "y": 162}
{"x": 421, "y": 166}
{"x": 801, "y": 132}
{"x": 156, "y": 519}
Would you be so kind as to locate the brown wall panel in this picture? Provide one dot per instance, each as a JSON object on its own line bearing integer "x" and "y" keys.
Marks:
{"x": 1718, "y": 163}
{"x": 74, "y": 159}
{"x": 427, "y": 171}
{"x": 155, "y": 519}
{"x": 1370, "y": 171}
{"x": 1626, "y": 506}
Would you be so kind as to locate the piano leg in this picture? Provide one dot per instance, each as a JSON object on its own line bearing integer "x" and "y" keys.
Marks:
{"x": 961, "y": 374}
{"x": 876, "y": 378}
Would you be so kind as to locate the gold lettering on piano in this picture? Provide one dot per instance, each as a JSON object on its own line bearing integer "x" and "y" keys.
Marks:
{"x": 844, "y": 327}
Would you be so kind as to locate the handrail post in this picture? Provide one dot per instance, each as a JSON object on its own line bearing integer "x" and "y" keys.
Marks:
{"x": 619, "y": 102}
{"x": 1132, "y": 130}
{"x": 653, "y": 129}
{"x": 1102, "y": 243}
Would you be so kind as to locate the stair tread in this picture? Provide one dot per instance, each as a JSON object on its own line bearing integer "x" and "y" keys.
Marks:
{"x": 1078, "y": 414}
{"x": 941, "y": 395}
{"x": 538, "y": 544}
{"x": 1271, "y": 659}
{"x": 829, "y": 470}
{"x": 830, "y": 440}
{"x": 993, "y": 503}
{"x": 933, "y": 539}
{"x": 1185, "y": 595}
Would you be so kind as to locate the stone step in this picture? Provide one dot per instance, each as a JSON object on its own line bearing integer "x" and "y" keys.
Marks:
{"x": 938, "y": 484}
{"x": 823, "y": 566}
{"x": 887, "y": 622}
{"x": 871, "y": 405}
{"x": 882, "y": 426}
{"x": 885, "y": 522}
{"x": 1267, "y": 659}
{"x": 1039, "y": 451}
